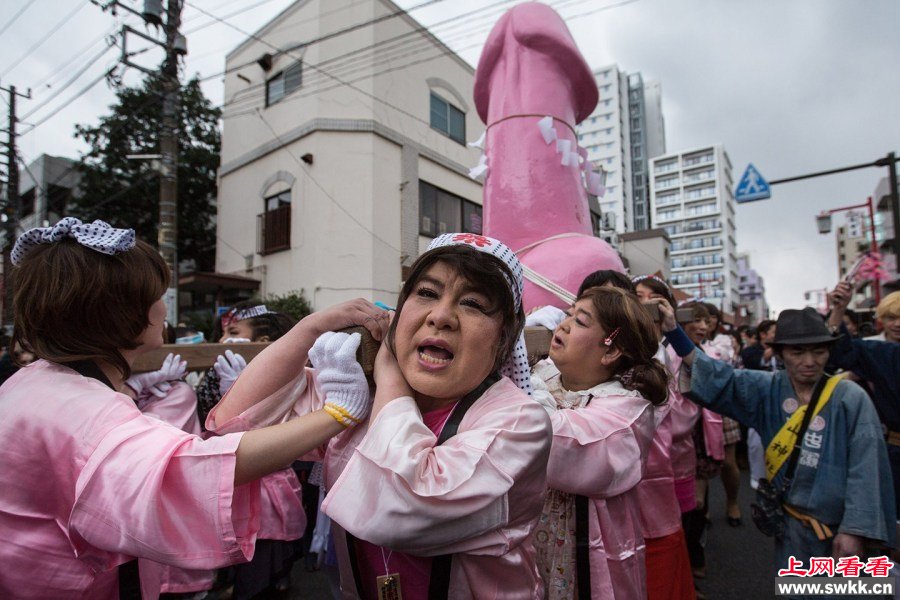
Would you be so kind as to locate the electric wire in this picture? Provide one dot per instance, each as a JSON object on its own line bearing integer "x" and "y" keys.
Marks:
{"x": 67, "y": 18}
{"x": 311, "y": 42}
{"x": 419, "y": 30}
{"x": 16, "y": 16}
{"x": 336, "y": 63}
{"x": 243, "y": 106}
{"x": 71, "y": 80}
{"x": 246, "y": 97}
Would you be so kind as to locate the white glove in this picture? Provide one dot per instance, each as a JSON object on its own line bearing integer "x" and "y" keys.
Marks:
{"x": 228, "y": 367}
{"x": 157, "y": 382}
{"x": 340, "y": 377}
{"x": 548, "y": 317}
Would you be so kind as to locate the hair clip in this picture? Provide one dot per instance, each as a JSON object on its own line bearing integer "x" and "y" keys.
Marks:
{"x": 609, "y": 339}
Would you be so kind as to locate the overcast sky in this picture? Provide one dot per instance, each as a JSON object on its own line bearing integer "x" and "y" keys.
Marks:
{"x": 793, "y": 86}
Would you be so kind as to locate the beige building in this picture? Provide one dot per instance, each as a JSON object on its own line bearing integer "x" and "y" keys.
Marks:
{"x": 646, "y": 252}
{"x": 343, "y": 152}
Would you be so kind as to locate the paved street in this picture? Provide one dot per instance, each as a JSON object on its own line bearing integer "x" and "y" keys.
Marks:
{"x": 738, "y": 558}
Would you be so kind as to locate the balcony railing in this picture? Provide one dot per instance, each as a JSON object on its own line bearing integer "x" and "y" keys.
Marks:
{"x": 273, "y": 230}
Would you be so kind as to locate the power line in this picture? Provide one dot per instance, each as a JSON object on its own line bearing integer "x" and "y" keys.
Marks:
{"x": 362, "y": 54}
{"x": 243, "y": 105}
{"x": 342, "y": 66}
{"x": 75, "y": 56}
{"x": 46, "y": 37}
{"x": 311, "y": 42}
{"x": 16, "y": 16}
{"x": 71, "y": 80}
{"x": 80, "y": 93}
{"x": 228, "y": 16}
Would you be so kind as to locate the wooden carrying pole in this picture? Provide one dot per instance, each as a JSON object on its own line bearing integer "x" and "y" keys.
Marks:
{"x": 201, "y": 357}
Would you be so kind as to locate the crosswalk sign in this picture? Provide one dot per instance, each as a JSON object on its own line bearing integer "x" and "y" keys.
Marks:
{"x": 752, "y": 186}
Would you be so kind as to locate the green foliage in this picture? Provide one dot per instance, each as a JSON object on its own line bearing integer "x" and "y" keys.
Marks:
{"x": 293, "y": 304}
{"x": 125, "y": 192}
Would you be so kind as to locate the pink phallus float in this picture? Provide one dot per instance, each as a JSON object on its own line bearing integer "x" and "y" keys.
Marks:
{"x": 535, "y": 199}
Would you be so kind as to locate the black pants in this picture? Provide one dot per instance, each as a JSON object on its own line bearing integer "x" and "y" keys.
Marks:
{"x": 694, "y": 524}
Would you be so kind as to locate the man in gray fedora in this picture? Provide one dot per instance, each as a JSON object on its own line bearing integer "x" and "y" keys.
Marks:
{"x": 825, "y": 451}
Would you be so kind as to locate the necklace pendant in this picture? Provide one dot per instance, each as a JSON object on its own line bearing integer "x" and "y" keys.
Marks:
{"x": 389, "y": 587}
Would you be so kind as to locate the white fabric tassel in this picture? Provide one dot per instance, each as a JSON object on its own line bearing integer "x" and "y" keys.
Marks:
{"x": 547, "y": 130}
{"x": 479, "y": 143}
{"x": 480, "y": 169}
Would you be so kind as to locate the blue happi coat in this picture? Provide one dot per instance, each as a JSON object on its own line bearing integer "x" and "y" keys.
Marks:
{"x": 842, "y": 476}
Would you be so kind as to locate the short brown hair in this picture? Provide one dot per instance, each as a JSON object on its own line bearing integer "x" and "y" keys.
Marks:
{"x": 699, "y": 310}
{"x": 636, "y": 339}
{"x": 72, "y": 303}
{"x": 484, "y": 272}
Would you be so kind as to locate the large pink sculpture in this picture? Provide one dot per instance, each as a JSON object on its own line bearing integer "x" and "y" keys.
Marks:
{"x": 530, "y": 68}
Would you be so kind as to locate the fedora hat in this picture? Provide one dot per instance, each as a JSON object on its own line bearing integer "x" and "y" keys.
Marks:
{"x": 801, "y": 328}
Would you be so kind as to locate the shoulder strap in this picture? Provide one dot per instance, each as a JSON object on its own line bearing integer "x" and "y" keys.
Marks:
{"x": 782, "y": 445}
{"x": 798, "y": 441}
{"x": 582, "y": 548}
{"x": 439, "y": 582}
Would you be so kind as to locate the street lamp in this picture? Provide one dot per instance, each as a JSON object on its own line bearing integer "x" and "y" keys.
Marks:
{"x": 823, "y": 222}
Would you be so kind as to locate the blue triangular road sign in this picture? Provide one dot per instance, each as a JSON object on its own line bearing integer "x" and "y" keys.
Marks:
{"x": 752, "y": 186}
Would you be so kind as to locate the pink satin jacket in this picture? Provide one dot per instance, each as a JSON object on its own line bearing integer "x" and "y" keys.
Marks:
{"x": 178, "y": 408}
{"x": 660, "y": 512}
{"x": 477, "y": 496}
{"x": 88, "y": 482}
{"x": 599, "y": 451}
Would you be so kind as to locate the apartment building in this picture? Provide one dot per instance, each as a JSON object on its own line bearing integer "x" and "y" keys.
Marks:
{"x": 625, "y": 130}
{"x": 692, "y": 199}
{"x": 752, "y": 291}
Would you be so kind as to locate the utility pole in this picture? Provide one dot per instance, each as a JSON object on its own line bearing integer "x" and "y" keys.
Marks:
{"x": 890, "y": 161}
{"x": 175, "y": 46}
{"x": 13, "y": 209}
{"x": 168, "y": 147}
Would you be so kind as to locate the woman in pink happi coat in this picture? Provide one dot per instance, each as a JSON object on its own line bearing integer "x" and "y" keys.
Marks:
{"x": 709, "y": 445}
{"x": 600, "y": 384}
{"x": 668, "y": 566}
{"x": 89, "y": 483}
{"x": 416, "y": 508}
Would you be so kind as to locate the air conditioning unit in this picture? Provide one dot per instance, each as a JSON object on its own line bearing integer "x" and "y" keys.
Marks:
{"x": 426, "y": 224}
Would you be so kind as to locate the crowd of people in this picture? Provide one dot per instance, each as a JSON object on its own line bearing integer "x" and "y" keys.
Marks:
{"x": 459, "y": 470}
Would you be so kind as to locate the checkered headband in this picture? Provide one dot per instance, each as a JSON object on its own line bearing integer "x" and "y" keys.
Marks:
{"x": 516, "y": 366}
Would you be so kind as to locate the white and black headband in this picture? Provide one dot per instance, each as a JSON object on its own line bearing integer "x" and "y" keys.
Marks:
{"x": 516, "y": 366}
{"x": 98, "y": 236}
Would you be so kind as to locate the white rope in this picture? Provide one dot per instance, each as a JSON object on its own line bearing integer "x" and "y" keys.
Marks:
{"x": 541, "y": 281}
{"x": 552, "y": 237}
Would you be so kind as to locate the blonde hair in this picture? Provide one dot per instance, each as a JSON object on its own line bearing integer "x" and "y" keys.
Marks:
{"x": 889, "y": 306}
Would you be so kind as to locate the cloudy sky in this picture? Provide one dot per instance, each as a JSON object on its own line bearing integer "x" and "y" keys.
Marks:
{"x": 793, "y": 86}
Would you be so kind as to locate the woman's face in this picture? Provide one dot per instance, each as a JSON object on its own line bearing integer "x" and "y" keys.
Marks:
{"x": 645, "y": 294}
{"x": 577, "y": 347}
{"x": 697, "y": 330}
{"x": 445, "y": 342}
{"x": 713, "y": 325}
{"x": 237, "y": 329}
{"x": 152, "y": 337}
